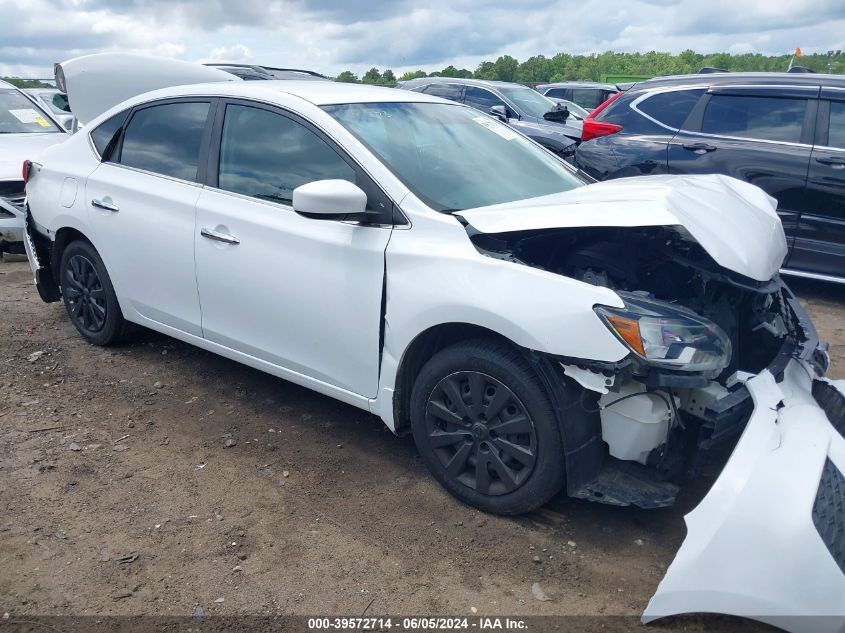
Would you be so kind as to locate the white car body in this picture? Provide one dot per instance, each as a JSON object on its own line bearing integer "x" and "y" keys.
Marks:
{"x": 338, "y": 306}
{"x": 14, "y": 149}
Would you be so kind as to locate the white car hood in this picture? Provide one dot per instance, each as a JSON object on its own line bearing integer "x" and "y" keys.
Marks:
{"x": 16, "y": 148}
{"x": 96, "y": 83}
{"x": 735, "y": 222}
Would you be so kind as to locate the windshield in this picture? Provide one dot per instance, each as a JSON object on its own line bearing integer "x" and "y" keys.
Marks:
{"x": 19, "y": 115}
{"x": 574, "y": 109}
{"x": 452, "y": 157}
{"x": 529, "y": 101}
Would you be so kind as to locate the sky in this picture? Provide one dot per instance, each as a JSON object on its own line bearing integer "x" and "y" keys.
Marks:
{"x": 334, "y": 35}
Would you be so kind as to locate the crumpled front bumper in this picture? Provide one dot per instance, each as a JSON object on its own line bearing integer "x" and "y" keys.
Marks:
{"x": 768, "y": 540}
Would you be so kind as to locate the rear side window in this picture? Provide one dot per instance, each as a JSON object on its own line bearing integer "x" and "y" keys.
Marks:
{"x": 670, "y": 108}
{"x": 104, "y": 133}
{"x": 447, "y": 91}
{"x": 266, "y": 155}
{"x": 766, "y": 118}
{"x": 836, "y": 135}
{"x": 557, "y": 93}
{"x": 165, "y": 139}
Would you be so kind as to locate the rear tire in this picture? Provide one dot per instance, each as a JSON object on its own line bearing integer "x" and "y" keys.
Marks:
{"x": 486, "y": 428}
{"x": 89, "y": 296}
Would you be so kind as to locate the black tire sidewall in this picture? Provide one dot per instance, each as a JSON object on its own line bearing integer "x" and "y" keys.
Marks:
{"x": 507, "y": 364}
{"x": 114, "y": 325}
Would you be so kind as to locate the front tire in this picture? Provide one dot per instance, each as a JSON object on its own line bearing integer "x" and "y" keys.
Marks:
{"x": 89, "y": 296}
{"x": 486, "y": 428}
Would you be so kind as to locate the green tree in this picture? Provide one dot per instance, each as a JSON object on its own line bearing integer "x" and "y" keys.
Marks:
{"x": 347, "y": 76}
{"x": 416, "y": 74}
{"x": 505, "y": 68}
{"x": 26, "y": 83}
{"x": 372, "y": 76}
{"x": 387, "y": 77}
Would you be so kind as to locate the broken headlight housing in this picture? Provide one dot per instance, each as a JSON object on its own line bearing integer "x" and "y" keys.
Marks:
{"x": 666, "y": 335}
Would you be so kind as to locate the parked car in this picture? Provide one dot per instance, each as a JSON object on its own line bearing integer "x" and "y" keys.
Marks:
{"x": 520, "y": 107}
{"x": 25, "y": 130}
{"x": 782, "y": 132}
{"x": 409, "y": 257}
{"x": 252, "y": 72}
{"x": 55, "y": 101}
{"x": 587, "y": 94}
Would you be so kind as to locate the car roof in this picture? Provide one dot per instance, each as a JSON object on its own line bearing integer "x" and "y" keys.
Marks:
{"x": 486, "y": 83}
{"x": 578, "y": 84}
{"x": 317, "y": 92}
{"x": 761, "y": 78}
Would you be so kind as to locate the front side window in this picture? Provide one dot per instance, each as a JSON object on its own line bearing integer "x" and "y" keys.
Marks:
{"x": 671, "y": 108}
{"x": 19, "y": 115}
{"x": 165, "y": 139}
{"x": 766, "y": 118}
{"x": 589, "y": 98}
{"x": 529, "y": 101}
{"x": 452, "y": 157}
{"x": 481, "y": 99}
{"x": 836, "y": 135}
{"x": 267, "y": 155}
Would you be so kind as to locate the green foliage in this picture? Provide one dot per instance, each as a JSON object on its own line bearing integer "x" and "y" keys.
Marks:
{"x": 26, "y": 83}
{"x": 416, "y": 74}
{"x": 388, "y": 78}
{"x": 563, "y": 66}
{"x": 347, "y": 76}
{"x": 372, "y": 76}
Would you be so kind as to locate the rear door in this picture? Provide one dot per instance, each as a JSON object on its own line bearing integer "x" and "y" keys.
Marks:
{"x": 142, "y": 203}
{"x": 820, "y": 237}
{"x": 759, "y": 134}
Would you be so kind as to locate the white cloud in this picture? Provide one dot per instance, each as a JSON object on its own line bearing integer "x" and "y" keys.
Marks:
{"x": 333, "y": 35}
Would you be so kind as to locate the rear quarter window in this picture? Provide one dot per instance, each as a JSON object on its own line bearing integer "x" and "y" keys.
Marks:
{"x": 670, "y": 108}
{"x": 104, "y": 133}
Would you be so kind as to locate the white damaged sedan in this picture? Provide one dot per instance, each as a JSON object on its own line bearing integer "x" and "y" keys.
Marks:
{"x": 422, "y": 261}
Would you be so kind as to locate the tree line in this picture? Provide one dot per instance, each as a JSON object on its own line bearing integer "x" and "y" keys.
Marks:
{"x": 563, "y": 66}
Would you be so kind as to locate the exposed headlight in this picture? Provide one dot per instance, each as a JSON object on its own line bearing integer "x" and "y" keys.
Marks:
{"x": 667, "y": 335}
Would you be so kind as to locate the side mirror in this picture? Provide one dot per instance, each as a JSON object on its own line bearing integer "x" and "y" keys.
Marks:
{"x": 329, "y": 198}
{"x": 500, "y": 112}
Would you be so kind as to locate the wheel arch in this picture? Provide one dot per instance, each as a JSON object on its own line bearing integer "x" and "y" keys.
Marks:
{"x": 580, "y": 429}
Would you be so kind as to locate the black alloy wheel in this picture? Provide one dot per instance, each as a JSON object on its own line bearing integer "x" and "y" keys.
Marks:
{"x": 85, "y": 294}
{"x": 482, "y": 434}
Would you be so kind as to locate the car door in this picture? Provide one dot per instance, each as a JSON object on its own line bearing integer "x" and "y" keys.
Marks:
{"x": 142, "y": 202}
{"x": 759, "y": 134}
{"x": 300, "y": 293}
{"x": 483, "y": 99}
{"x": 820, "y": 237}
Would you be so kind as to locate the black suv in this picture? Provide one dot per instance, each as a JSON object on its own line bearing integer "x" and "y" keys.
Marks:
{"x": 783, "y": 132}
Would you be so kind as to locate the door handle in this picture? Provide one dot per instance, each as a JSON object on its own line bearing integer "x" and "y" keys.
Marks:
{"x": 833, "y": 161}
{"x": 102, "y": 204}
{"x": 699, "y": 148}
{"x": 219, "y": 237}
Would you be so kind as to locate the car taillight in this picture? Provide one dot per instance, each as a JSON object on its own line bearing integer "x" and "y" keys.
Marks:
{"x": 593, "y": 129}
{"x": 25, "y": 170}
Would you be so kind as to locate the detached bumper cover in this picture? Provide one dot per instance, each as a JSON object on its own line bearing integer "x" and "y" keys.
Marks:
{"x": 768, "y": 540}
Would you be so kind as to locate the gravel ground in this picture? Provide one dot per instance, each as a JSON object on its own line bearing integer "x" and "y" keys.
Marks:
{"x": 120, "y": 496}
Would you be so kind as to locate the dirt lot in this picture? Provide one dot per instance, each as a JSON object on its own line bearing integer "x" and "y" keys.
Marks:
{"x": 135, "y": 505}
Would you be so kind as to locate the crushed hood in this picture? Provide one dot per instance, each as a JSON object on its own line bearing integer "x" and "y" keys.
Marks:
{"x": 16, "y": 148}
{"x": 735, "y": 222}
{"x": 96, "y": 83}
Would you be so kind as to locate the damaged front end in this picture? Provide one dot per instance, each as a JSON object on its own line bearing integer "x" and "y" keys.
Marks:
{"x": 720, "y": 353}
{"x": 696, "y": 332}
